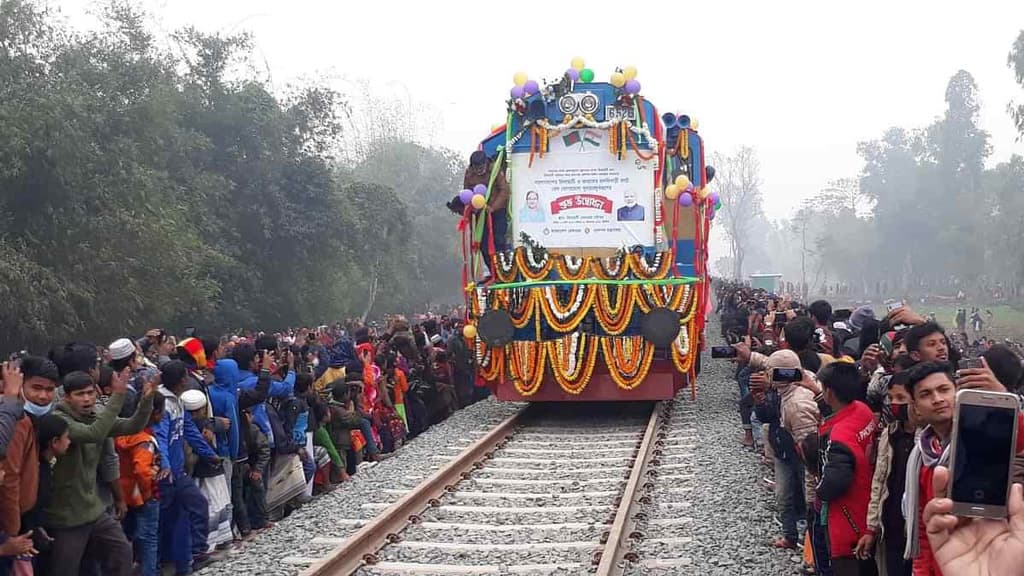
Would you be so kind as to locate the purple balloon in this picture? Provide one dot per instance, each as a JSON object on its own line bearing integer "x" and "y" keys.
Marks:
{"x": 712, "y": 215}
{"x": 531, "y": 87}
{"x": 466, "y": 196}
{"x": 517, "y": 92}
{"x": 632, "y": 87}
{"x": 573, "y": 74}
{"x": 713, "y": 198}
{"x": 686, "y": 199}
{"x": 480, "y": 189}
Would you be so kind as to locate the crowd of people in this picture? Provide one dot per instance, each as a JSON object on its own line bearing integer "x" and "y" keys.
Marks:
{"x": 857, "y": 437}
{"x": 157, "y": 451}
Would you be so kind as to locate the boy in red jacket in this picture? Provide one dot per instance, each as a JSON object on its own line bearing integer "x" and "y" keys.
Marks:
{"x": 139, "y": 455}
{"x": 847, "y": 437}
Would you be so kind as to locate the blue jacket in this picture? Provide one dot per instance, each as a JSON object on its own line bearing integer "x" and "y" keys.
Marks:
{"x": 278, "y": 389}
{"x": 224, "y": 397}
{"x": 174, "y": 429}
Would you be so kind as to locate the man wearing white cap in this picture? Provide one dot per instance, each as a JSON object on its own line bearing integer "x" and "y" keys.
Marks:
{"x": 124, "y": 355}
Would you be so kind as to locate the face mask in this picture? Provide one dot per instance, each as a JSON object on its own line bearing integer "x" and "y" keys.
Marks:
{"x": 899, "y": 412}
{"x": 37, "y": 410}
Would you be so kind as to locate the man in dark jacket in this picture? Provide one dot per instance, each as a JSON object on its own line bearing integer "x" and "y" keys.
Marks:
{"x": 495, "y": 216}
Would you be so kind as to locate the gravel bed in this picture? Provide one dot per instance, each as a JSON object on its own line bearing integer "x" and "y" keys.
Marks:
{"x": 324, "y": 517}
{"x": 731, "y": 513}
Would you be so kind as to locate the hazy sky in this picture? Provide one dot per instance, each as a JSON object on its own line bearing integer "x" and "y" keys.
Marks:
{"x": 802, "y": 82}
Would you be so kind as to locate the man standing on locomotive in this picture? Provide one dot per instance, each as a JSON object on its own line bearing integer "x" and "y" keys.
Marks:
{"x": 496, "y": 213}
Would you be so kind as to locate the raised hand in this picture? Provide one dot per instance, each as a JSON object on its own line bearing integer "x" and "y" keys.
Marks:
{"x": 13, "y": 380}
{"x": 972, "y": 546}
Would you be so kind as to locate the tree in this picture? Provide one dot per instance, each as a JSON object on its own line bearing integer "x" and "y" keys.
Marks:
{"x": 738, "y": 180}
{"x": 1016, "y": 61}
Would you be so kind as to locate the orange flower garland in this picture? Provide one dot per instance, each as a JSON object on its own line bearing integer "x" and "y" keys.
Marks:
{"x": 490, "y": 369}
{"x": 666, "y": 296}
{"x": 566, "y": 273}
{"x": 526, "y": 366}
{"x": 614, "y": 317}
{"x": 538, "y": 272}
{"x": 600, "y": 267}
{"x": 681, "y": 356}
{"x": 523, "y": 310}
{"x": 505, "y": 265}
{"x": 572, "y": 360}
{"x": 629, "y": 359}
{"x": 640, "y": 269}
{"x": 566, "y": 317}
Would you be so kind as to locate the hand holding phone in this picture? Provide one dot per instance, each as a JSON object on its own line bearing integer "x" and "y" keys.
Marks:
{"x": 983, "y": 447}
{"x": 787, "y": 375}
{"x": 723, "y": 352}
{"x": 974, "y": 374}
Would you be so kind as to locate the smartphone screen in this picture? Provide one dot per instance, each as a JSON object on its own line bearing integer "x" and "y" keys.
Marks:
{"x": 787, "y": 375}
{"x": 983, "y": 442}
{"x": 723, "y": 352}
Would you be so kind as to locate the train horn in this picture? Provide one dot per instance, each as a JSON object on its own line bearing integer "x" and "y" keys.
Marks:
{"x": 669, "y": 119}
{"x": 683, "y": 121}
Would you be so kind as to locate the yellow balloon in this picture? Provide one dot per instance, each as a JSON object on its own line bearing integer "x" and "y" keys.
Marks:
{"x": 469, "y": 331}
{"x": 629, "y": 72}
{"x": 618, "y": 80}
{"x": 694, "y": 124}
{"x": 479, "y": 201}
{"x": 520, "y": 78}
{"x": 578, "y": 63}
{"x": 682, "y": 181}
{"x": 672, "y": 191}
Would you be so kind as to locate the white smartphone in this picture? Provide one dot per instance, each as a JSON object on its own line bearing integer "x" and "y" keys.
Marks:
{"x": 981, "y": 461}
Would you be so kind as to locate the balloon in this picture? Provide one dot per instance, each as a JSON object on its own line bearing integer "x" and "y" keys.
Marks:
{"x": 686, "y": 199}
{"x": 517, "y": 92}
{"x": 632, "y": 87}
{"x": 629, "y": 72}
{"x": 520, "y": 78}
{"x": 469, "y": 331}
{"x": 712, "y": 215}
{"x": 573, "y": 74}
{"x": 531, "y": 87}
{"x": 672, "y": 191}
{"x": 480, "y": 189}
{"x": 586, "y": 75}
{"x": 479, "y": 201}
{"x": 618, "y": 80}
{"x": 466, "y": 196}
{"x": 577, "y": 64}
{"x": 713, "y": 198}
{"x": 682, "y": 181}
{"x": 694, "y": 124}
{"x": 718, "y": 205}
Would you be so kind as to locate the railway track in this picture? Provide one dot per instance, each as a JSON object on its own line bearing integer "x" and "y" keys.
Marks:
{"x": 541, "y": 493}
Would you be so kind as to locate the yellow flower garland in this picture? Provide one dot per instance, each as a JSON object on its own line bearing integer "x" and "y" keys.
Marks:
{"x": 681, "y": 356}
{"x": 629, "y": 359}
{"x": 523, "y": 314}
{"x": 551, "y": 307}
{"x": 614, "y": 317}
{"x": 492, "y": 370}
{"x": 526, "y": 366}
{"x": 510, "y": 274}
{"x": 655, "y": 296}
{"x": 586, "y": 357}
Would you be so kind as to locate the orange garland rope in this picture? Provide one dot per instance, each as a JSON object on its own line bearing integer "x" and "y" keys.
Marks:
{"x": 526, "y": 366}
{"x": 586, "y": 357}
{"x": 629, "y": 359}
{"x": 552, "y": 308}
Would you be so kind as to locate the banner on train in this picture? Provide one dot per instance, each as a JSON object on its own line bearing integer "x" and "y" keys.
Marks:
{"x": 580, "y": 195}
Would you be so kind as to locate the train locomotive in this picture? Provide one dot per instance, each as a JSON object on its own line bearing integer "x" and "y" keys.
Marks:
{"x": 603, "y": 293}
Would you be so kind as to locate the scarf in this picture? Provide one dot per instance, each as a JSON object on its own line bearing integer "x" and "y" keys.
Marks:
{"x": 929, "y": 450}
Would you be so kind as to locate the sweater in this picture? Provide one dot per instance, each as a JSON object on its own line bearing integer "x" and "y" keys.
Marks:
{"x": 75, "y": 499}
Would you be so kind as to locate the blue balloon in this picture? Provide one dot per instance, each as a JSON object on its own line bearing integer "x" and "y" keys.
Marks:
{"x": 466, "y": 196}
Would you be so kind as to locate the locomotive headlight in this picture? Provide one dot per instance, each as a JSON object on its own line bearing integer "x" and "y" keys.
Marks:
{"x": 567, "y": 104}
{"x": 588, "y": 103}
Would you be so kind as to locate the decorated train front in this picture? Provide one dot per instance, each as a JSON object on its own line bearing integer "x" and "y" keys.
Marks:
{"x": 602, "y": 292}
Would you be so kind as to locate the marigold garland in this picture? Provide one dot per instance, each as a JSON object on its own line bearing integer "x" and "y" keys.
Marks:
{"x": 521, "y": 304}
{"x": 566, "y": 317}
{"x": 529, "y": 271}
{"x": 526, "y": 366}
{"x": 564, "y": 269}
{"x": 495, "y": 357}
{"x": 681, "y": 356}
{"x": 572, "y": 360}
{"x": 614, "y": 316}
{"x": 662, "y": 266}
{"x": 649, "y": 297}
{"x": 600, "y": 267}
{"x": 629, "y": 359}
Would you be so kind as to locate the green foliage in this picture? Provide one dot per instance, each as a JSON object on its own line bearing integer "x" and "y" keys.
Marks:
{"x": 1016, "y": 61}
{"x": 140, "y": 187}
